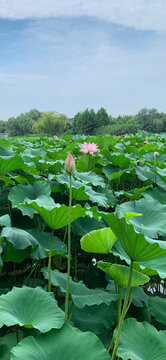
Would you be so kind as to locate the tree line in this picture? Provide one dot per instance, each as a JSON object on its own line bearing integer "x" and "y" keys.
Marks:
{"x": 87, "y": 122}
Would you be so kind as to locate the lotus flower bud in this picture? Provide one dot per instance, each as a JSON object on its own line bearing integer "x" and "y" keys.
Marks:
{"x": 70, "y": 164}
{"x": 156, "y": 153}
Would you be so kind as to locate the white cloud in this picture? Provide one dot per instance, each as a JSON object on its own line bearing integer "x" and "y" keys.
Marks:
{"x": 140, "y": 14}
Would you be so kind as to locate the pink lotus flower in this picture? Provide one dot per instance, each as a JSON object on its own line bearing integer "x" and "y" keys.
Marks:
{"x": 146, "y": 142}
{"x": 55, "y": 137}
{"x": 70, "y": 164}
{"x": 89, "y": 148}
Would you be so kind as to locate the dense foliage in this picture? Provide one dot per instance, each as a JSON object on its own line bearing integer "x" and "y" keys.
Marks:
{"x": 50, "y": 123}
{"x": 116, "y": 291}
{"x": 86, "y": 122}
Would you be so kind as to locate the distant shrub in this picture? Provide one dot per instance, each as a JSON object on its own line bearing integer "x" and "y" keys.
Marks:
{"x": 118, "y": 129}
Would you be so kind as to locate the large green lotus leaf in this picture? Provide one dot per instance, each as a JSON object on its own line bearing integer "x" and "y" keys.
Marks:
{"x": 149, "y": 267}
{"x": 5, "y": 220}
{"x": 159, "y": 266}
{"x": 55, "y": 215}
{"x": 152, "y": 222}
{"x": 80, "y": 294}
{"x": 89, "y": 178}
{"x": 67, "y": 343}
{"x": 118, "y": 158}
{"x": 56, "y": 154}
{"x": 84, "y": 225}
{"x": 30, "y": 308}
{"x": 81, "y": 191}
{"x": 19, "y": 192}
{"x": 145, "y": 174}
{"x": 120, "y": 274}
{"x": 156, "y": 194}
{"x": 157, "y": 308}
{"x": 141, "y": 341}
{"x": 7, "y": 342}
{"x": 33, "y": 153}
{"x": 5, "y": 144}
{"x": 113, "y": 172}
{"x": 161, "y": 173}
{"x": 87, "y": 162}
{"x": 16, "y": 255}
{"x": 95, "y": 318}
{"x": 96, "y": 197}
{"x": 11, "y": 163}
{"x": 44, "y": 241}
{"x": 136, "y": 246}
{"x": 98, "y": 241}
{"x": 20, "y": 239}
{"x": 48, "y": 167}
{"x": 111, "y": 198}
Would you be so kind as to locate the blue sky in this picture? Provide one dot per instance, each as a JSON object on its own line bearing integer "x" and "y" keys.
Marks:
{"x": 72, "y": 54}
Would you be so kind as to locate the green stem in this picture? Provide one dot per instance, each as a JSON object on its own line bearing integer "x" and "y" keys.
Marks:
{"x": 155, "y": 175}
{"x": 75, "y": 265}
{"x": 38, "y": 219}
{"x": 71, "y": 310}
{"x": 49, "y": 262}
{"x": 9, "y": 208}
{"x": 64, "y": 239}
{"x": 119, "y": 304}
{"x": 69, "y": 252}
{"x": 29, "y": 276}
{"x": 65, "y": 233}
{"x": 17, "y": 337}
{"x": 35, "y": 272}
{"x": 130, "y": 301}
{"x": 123, "y": 313}
{"x": 14, "y": 265}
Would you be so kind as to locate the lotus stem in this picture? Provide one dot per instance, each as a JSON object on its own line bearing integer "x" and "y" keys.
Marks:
{"x": 125, "y": 305}
{"x": 69, "y": 251}
{"x": 49, "y": 262}
{"x": 119, "y": 305}
{"x": 17, "y": 337}
{"x": 9, "y": 207}
{"x": 75, "y": 266}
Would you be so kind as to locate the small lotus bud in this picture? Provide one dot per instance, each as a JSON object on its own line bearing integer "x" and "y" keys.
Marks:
{"x": 70, "y": 164}
{"x": 156, "y": 153}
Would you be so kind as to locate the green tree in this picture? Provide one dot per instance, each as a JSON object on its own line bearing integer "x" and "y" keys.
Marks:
{"x": 3, "y": 126}
{"x": 88, "y": 122}
{"x": 102, "y": 118}
{"x": 146, "y": 117}
{"x": 84, "y": 122}
{"x": 34, "y": 114}
{"x": 76, "y": 123}
{"x": 158, "y": 125}
{"x": 51, "y": 123}
{"x": 19, "y": 126}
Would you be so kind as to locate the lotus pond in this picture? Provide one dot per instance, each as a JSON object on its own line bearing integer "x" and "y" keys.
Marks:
{"x": 83, "y": 248}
